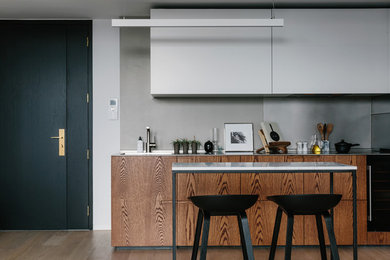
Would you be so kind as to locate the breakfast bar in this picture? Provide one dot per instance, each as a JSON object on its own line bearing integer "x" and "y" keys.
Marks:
{"x": 263, "y": 168}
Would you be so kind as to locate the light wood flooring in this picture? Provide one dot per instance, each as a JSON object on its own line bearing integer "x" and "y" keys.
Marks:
{"x": 95, "y": 245}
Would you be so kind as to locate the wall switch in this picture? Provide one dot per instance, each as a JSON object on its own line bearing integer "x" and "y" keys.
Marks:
{"x": 113, "y": 109}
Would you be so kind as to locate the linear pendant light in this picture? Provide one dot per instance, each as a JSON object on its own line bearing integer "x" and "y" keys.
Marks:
{"x": 197, "y": 22}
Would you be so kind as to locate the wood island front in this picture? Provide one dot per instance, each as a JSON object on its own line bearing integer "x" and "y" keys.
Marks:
{"x": 141, "y": 191}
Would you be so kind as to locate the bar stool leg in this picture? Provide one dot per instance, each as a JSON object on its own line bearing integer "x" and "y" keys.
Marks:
{"x": 245, "y": 235}
{"x": 275, "y": 234}
{"x": 198, "y": 230}
{"x": 332, "y": 238}
{"x": 205, "y": 237}
{"x": 321, "y": 239}
{"x": 289, "y": 235}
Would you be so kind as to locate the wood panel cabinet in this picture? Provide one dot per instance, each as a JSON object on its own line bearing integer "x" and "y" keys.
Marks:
{"x": 141, "y": 201}
{"x": 142, "y": 206}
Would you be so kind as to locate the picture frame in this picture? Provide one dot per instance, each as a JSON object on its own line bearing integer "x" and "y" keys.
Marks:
{"x": 238, "y": 137}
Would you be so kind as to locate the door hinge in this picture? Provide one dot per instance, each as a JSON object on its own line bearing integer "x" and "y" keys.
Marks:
{"x": 87, "y": 98}
{"x": 87, "y": 154}
{"x": 87, "y": 41}
{"x": 87, "y": 210}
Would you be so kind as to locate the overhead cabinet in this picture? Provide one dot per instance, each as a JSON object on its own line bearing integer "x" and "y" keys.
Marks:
{"x": 317, "y": 51}
{"x": 210, "y": 61}
{"x": 323, "y": 51}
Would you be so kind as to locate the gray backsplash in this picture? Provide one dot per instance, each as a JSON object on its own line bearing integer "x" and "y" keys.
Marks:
{"x": 298, "y": 117}
{"x": 380, "y": 124}
{"x": 171, "y": 118}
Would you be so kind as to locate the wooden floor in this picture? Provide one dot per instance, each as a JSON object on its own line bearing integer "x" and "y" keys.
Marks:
{"x": 95, "y": 245}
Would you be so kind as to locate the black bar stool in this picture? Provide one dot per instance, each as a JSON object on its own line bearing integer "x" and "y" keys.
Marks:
{"x": 306, "y": 204}
{"x": 223, "y": 205}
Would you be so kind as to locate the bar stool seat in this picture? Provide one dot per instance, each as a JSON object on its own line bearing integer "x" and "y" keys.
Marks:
{"x": 223, "y": 205}
{"x": 305, "y": 204}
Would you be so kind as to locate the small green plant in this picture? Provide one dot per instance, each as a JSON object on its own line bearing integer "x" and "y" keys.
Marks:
{"x": 185, "y": 140}
{"x": 176, "y": 141}
{"x": 198, "y": 144}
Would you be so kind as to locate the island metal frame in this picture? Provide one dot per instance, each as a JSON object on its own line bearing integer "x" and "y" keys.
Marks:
{"x": 263, "y": 168}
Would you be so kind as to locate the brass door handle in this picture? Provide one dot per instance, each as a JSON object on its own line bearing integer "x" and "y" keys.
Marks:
{"x": 61, "y": 142}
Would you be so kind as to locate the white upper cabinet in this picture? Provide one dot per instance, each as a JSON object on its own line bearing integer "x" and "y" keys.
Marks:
{"x": 331, "y": 51}
{"x": 210, "y": 61}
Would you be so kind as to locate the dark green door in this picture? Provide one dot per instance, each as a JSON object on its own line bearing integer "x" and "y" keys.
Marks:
{"x": 44, "y": 80}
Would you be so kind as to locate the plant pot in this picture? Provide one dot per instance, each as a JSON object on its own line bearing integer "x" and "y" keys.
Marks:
{"x": 194, "y": 148}
{"x": 176, "y": 148}
{"x": 185, "y": 147}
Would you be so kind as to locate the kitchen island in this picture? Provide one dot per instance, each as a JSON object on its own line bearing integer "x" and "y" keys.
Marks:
{"x": 142, "y": 200}
{"x": 266, "y": 168}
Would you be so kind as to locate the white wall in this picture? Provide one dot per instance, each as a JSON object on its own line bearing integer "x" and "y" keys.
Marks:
{"x": 106, "y": 133}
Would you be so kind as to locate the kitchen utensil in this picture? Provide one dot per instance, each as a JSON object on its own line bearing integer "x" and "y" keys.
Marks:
{"x": 264, "y": 141}
{"x": 325, "y": 128}
{"x": 320, "y": 128}
{"x": 329, "y": 130}
{"x": 275, "y": 136}
{"x": 343, "y": 147}
{"x": 325, "y": 147}
{"x": 384, "y": 150}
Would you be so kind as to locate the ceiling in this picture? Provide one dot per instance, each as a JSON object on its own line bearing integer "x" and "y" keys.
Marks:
{"x": 79, "y": 9}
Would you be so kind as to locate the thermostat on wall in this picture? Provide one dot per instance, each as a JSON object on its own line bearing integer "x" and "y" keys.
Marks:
{"x": 113, "y": 109}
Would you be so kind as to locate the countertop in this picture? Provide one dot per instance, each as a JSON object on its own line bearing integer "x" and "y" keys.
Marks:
{"x": 261, "y": 166}
{"x": 355, "y": 151}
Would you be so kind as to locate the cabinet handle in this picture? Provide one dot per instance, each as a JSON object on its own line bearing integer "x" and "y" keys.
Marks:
{"x": 369, "y": 194}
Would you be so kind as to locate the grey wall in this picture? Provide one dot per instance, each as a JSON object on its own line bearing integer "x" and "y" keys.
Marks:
{"x": 298, "y": 117}
{"x": 380, "y": 124}
{"x": 171, "y": 118}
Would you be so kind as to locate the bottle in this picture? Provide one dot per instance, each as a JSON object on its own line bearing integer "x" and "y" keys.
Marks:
{"x": 304, "y": 148}
{"x": 140, "y": 145}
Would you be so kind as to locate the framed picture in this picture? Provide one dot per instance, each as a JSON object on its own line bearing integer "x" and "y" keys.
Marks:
{"x": 238, "y": 137}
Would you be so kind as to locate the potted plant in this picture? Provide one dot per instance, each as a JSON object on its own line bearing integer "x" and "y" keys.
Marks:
{"x": 185, "y": 144}
{"x": 176, "y": 146}
{"x": 194, "y": 146}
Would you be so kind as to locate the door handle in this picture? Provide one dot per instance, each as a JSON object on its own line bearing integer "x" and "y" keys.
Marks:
{"x": 369, "y": 193}
{"x": 61, "y": 142}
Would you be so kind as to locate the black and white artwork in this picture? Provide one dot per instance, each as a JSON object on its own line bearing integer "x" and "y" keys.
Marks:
{"x": 238, "y": 137}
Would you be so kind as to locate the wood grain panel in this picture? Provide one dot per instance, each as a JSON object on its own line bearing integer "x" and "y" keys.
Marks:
{"x": 316, "y": 183}
{"x": 342, "y": 225}
{"x": 378, "y": 238}
{"x": 141, "y": 200}
{"x": 262, "y": 220}
{"x": 267, "y": 184}
{"x": 223, "y": 229}
{"x": 140, "y": 189}
{"x": 361, "y": 162}
{"x": 186, "y": 222}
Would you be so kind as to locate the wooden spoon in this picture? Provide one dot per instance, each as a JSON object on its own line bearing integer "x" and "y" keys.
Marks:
{"x": 320, "y": 128}
{"x": 329, "y": 131}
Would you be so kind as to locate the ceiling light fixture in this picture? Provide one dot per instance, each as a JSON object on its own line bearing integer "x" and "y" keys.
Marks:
{"x": 197, "y": 22}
